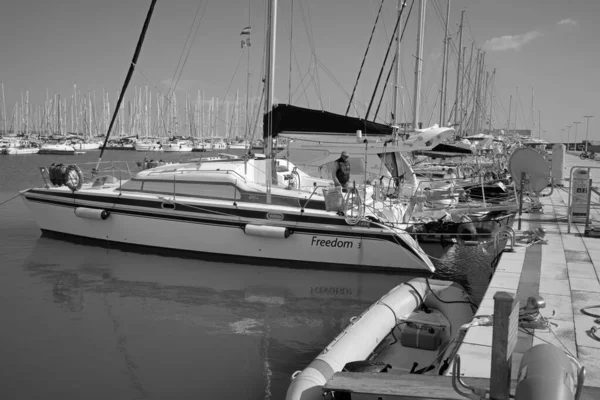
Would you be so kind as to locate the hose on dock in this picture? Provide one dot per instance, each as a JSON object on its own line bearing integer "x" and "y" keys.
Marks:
{"x": 593, "y": 329}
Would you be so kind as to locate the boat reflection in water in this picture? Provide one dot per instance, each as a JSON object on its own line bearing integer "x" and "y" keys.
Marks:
{"x": 170, "y": 316}
{"x": 150, "y": 323}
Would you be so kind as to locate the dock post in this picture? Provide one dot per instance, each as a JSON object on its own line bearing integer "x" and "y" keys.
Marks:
{"x": 504, "y": 339}
{"x": 522, "y": 184}
{"x": 589, "y": 204}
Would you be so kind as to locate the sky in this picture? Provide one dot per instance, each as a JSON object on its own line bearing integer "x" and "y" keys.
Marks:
{"x": 544, "y": 54}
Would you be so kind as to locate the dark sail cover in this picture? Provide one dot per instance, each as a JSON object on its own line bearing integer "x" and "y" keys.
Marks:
{"x": 448, "y": 148}
{"x": 288, "y": 118}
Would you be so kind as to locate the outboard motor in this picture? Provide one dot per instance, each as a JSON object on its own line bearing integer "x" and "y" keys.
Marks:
{"x": 57, "y": 174}
{"x": 547, "y": 373}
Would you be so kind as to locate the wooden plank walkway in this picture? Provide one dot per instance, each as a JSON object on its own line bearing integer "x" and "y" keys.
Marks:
{"x": 565, "y": 272}
{"x": 377, "y": 385}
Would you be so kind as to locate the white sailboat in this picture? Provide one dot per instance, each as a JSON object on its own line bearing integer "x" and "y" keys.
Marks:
{"x": 251, "y": 210}
{"x": 57, "y": 146}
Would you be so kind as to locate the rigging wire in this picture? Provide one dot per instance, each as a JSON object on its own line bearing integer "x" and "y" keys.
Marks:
{"x": 229, "y": 86}
{"x": 185, "y": 52}
{"x": 301, "y": 83}
{"x": 136, "y": 55}
{"x": 365, "y": 56}
{"x": 308, "y": 30}
{"x": 394, "y": 60}
{"x": 398, "y": 19}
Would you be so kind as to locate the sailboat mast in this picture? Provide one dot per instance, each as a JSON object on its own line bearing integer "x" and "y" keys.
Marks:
{"x": 532, "y": 112}
{"x": 58, "y": 115}
{"x": 458, "y": 108}
{"x": 291, "y": 49}
{"x": 269, "y": 89}
{"x": 136, "y": 54}
{"x": 419, "y": 62}
{"x": 445, "y": 70}
{"x": 509, "y": 111}
{"x": 27, "y": 116}
{"x": 3, "y": 111}
{"x": 248, "y": 45}
{"x": 395, "y": 108}
{"x": 493, "y": 81}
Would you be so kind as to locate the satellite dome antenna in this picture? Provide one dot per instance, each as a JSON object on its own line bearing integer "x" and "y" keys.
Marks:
{"x": 530, "y": 172}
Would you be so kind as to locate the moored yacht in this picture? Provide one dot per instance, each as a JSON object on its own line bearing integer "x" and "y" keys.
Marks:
{"x": 57, "y": 146}
{"x": 148, "y": 145}
{"x": 177, "y": 145}
{"x": 222, "y": 210}
{"x": 218, "y": 143}
{"x": 80, "y": 144}
{"x": 18, "y": 146}
{"x": 240, "y": 145}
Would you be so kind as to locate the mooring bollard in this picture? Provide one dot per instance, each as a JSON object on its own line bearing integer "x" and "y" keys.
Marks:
{"x": 504, "y": 339}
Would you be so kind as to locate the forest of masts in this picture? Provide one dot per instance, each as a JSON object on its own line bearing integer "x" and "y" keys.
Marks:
{"x": 147, "y": 114}
{"x": 150, "y": 114}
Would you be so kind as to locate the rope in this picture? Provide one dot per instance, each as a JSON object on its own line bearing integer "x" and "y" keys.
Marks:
{"x": 449, "y": 302}
{"x": 566, "y": 349}
{"x": 12, "y": 198}
{"x": 435, "y": 258}
{"x": 364, "y": 57}
{"x": 584, "y": 311}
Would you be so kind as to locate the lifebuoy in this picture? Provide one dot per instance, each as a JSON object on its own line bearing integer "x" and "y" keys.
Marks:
{"x": 467, "y": 171}
{"x": 73, "y": 177}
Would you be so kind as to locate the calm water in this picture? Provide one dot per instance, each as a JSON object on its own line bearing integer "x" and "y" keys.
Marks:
{"x": 96, "y": 323}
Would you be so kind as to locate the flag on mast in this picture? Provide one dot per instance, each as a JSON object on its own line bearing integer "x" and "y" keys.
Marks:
{"x": 246, "y": 42}
{"x": 246, "y": 31}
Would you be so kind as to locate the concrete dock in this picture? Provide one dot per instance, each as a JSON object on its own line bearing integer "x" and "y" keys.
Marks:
{"x": 564, "y": 270}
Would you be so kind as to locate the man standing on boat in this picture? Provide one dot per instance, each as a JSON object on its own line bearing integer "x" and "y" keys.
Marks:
{"x": 341, "y": 171}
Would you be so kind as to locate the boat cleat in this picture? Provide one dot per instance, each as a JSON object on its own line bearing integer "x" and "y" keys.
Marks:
{"x": 530, "y": 316}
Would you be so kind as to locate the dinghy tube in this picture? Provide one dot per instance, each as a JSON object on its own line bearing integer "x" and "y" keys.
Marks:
{"x": 92, "y": 213}
{"x": 358, "y": 340}
{"x": 277, "y": 232}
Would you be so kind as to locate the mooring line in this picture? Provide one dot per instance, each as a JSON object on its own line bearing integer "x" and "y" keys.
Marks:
{"x": 12, "y": 198}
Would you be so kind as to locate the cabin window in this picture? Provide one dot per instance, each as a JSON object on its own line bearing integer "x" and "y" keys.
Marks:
{"x": 226, "y": 192}
{"x": 192, "y": 189}
{"x": 158, "y": 187}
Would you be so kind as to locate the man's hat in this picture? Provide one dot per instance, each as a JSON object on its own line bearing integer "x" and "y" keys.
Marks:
{"x": 345, "y": 153}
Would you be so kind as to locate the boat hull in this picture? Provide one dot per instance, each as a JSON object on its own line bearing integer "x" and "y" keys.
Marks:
{"x": 148, "y": 147}
{"x": 145, "y": 223}
{"x": 177, "y": 149}
{"x": 85, "y": 146}
{"x": 69, "y": 152}
{"x": 16, "y": 150}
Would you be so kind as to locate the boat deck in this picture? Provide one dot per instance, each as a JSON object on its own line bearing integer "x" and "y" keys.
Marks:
{"x": 564, "y": 271}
